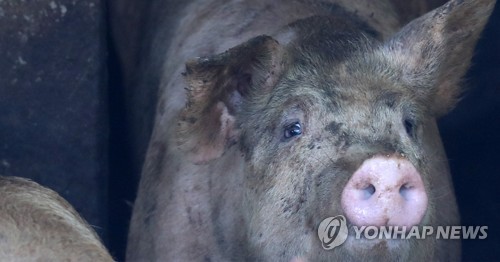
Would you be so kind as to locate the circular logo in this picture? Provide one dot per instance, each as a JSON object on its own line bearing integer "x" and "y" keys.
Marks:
{"x": 332, "y": 232}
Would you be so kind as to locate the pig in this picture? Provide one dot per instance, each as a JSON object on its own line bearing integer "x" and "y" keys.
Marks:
{"x": 36, "y": 224}
{"x": 275, "y": 115}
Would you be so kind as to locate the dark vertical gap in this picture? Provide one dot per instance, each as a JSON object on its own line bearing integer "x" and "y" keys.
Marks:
{"x": 122, "y": 181}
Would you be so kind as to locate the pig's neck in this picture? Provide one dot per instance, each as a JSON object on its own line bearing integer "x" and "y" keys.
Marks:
{"x": 202, "y": 210}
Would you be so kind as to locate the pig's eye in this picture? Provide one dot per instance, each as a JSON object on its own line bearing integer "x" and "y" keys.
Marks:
{"x": 409, "y": 127}
{"x": 292, "y": 130}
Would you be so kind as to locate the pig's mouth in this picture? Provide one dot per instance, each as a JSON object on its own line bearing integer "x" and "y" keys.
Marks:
{"x": 371, "y": 238}
{"x": 382, "y": 248}
{"x": 374, "y": 243}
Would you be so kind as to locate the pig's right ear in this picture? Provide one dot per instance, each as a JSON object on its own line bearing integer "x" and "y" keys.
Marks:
{"x": 434, "y": 51}
{"x": 217, "y": 86}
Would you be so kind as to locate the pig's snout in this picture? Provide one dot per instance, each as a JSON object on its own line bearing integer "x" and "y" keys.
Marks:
{"x": 385, "y": 191}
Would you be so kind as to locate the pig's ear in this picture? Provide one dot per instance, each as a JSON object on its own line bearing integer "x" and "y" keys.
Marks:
{"x": 435, "y": 50}
{"x": 217, "y": 86}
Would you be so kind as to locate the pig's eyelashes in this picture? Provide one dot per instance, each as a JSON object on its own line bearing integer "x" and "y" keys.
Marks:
{"x": 292, "y": 130}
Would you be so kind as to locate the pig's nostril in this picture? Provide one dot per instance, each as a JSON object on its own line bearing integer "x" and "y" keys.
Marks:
{"x": 406, "y": 191}
{"x": 369, "y": 191}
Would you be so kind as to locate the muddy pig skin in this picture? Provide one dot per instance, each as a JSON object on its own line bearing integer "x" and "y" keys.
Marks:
{"x": 274, "y": 115}
{"x": 36, "y": 224}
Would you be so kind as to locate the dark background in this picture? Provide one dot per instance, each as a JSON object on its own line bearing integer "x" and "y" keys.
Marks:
{"x": 471, "y": 136}
{"x": 66, "y": 122}
{"x": 54, "y": 125}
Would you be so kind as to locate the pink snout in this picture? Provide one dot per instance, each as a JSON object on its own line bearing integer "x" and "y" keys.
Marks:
{"x": 385, "y": 191}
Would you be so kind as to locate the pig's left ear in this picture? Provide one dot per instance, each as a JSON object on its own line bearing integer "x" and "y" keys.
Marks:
{"x": 435, "y": 50}
{"x": 217, "y": 86}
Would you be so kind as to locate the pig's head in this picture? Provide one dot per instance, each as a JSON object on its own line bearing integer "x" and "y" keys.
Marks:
{"x": 337, "y": 121}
